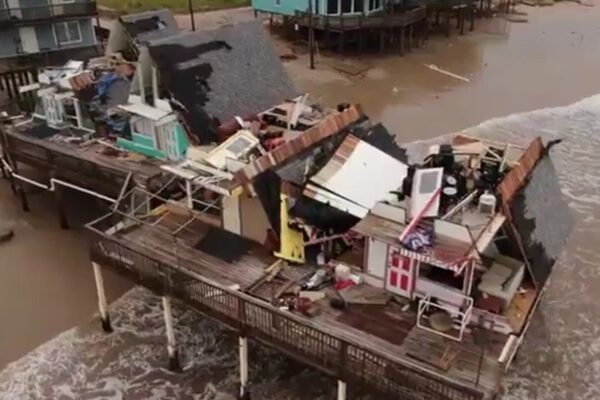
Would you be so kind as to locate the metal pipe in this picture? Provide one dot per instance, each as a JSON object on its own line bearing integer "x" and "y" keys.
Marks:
{"x": 53, "y": 182}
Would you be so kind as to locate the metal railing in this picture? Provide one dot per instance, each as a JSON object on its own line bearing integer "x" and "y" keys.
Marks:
{"x": 330, "y": 352}
{"x": 349, "y": 22}
{"x": 31, "y": 14}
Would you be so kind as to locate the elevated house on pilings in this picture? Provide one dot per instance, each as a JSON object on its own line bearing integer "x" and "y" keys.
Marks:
{"x": 388, "y": 25}
{"x": 337, "y": 24}
{"x": 431, "y": 271}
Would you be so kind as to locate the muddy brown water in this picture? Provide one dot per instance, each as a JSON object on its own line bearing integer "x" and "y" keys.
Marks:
{"x": 46, "y": 283}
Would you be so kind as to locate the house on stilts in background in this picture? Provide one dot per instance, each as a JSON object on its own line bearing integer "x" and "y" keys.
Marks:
{"x": 380, "y": 24}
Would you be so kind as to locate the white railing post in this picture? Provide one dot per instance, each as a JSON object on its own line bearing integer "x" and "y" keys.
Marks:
{"x": 342, "y": 390}
{"x": 244, "y": 390}
{"x": 102, "y": 304}
{"x": 174, "y": 364}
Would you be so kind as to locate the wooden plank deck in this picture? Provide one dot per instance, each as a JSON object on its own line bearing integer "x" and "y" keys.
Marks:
{"x": 429, "y": 348}
{"x": 82, "y": 164}
{"x": 383, "y": 329}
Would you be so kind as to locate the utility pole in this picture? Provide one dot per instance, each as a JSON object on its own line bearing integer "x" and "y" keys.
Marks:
{"x": 311, "y": 35}
{"x": 191, "y": 8}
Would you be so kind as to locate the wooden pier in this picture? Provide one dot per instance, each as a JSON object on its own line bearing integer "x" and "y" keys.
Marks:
{"x": 84, "y": 166}
{"x": 161, "y": 252}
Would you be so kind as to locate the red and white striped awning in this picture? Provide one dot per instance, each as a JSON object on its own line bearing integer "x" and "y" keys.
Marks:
{"x": 429, "y": 257}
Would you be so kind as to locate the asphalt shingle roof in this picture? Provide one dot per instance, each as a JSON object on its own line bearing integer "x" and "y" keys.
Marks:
{"x": 223, "y": 73}
{"x": 542, "y": 218}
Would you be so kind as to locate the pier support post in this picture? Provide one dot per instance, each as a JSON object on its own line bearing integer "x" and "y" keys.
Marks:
{"x": 342, "y": 390}
{"x": 174, "y": 364}
{"x": 244, "y": 390}
{"x": 102, "y": 304}
{"x": 189, "y": 194}
{"x": 60, "y": 205}
{"x": 19, "y": 188}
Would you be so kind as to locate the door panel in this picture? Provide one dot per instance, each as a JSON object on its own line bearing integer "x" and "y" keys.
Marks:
{"x": 400, "y": 274}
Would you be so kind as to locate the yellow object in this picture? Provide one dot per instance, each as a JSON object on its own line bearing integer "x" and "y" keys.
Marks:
{"x": 291, "y": 241}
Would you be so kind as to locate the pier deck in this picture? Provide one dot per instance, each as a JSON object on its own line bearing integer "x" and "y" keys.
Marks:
{"x": 87, "y": 164}
{"x": 373, "y": 346}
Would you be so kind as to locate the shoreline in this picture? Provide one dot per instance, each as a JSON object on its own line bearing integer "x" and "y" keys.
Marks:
{"x": 47, "y": 269}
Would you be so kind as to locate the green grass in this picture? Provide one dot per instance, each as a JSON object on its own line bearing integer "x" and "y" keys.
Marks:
{"x": 178, "y": 6}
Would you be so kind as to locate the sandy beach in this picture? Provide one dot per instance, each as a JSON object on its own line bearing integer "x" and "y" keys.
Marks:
{"x": 46, "y": 283}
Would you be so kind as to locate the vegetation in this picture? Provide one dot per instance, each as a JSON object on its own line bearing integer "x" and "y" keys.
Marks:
{"x": 178, "y": 6}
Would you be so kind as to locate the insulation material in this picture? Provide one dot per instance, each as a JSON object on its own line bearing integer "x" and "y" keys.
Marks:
{"x": 358, "y": 175}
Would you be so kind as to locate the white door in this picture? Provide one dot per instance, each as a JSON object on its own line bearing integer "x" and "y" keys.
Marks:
{"x": 376, "y": 258}
{"x": 400, "y": 274}
{"x": 29, "y": 42}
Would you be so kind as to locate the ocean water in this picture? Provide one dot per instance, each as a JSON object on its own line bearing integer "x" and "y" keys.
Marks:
{"x": 559, "y": 358}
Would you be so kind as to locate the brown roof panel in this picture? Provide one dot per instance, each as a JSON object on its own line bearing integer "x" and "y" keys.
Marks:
{"x": 328, "y": 127}
{"x": 515, "y": 179}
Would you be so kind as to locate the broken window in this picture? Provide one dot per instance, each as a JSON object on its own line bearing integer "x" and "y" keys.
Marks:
{"x": 68, "y": 32}
{"x": 239, "y": 146}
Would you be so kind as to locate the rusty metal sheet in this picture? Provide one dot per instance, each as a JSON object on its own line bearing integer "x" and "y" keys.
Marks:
{"x": 515, "y": 179}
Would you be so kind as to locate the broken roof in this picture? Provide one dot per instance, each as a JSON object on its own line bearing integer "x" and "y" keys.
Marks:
{"x": 331, "y": 125}
{"x": 150, "y": 25}
{"x": 357, "y": 177}
{"x": 542, "y": 218}
{"x": 223, "y": 73}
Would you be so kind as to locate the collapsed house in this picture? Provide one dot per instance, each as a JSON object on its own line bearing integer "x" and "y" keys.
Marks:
{"x": 318, "y": 212}
{"x": 311, "y": 212}
{"x": 183, "y": 89}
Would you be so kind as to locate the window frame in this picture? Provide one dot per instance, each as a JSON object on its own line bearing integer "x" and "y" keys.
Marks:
{"x": 66, "y": 27}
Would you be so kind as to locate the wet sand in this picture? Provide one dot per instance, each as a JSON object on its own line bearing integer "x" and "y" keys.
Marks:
{"x": 46, "y": 284}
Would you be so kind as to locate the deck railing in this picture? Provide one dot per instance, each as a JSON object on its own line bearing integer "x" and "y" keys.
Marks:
{"x": 329, "y": 352}
{"x": 352, "y": 22}
{"x": 11, "y": 16}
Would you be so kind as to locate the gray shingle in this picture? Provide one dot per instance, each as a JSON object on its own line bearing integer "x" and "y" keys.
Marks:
{"x": 542, "y": 218}
{"x": 226, "y": 72}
